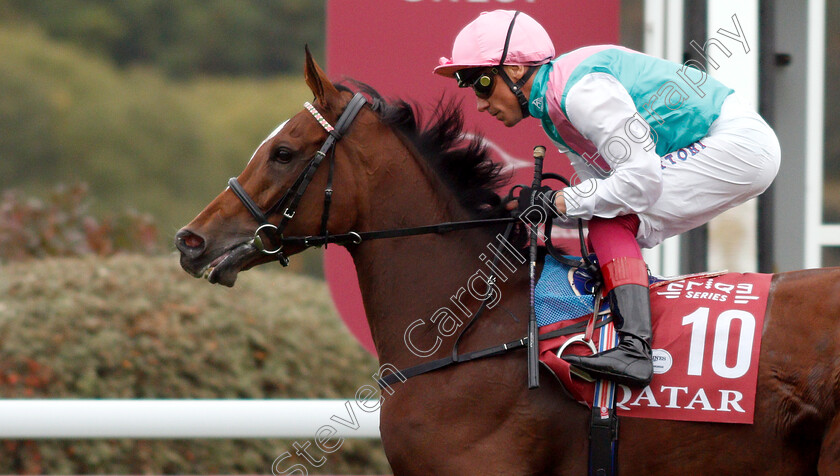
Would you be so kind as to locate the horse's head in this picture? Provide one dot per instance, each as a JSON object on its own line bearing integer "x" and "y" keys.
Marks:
{"x": 283, "y": 191}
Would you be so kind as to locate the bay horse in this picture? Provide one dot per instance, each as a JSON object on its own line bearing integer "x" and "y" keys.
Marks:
{"x": 479, "y": 418}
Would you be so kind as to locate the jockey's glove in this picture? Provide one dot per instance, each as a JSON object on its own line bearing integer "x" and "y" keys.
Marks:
{"x": 536, "y": 207}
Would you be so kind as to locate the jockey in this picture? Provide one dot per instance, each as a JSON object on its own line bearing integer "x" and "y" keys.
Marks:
{"x": 658, "y": 148}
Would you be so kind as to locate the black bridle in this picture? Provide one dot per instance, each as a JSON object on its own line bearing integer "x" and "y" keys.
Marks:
{"x": 290, "y": 200}
{"x": 289, "y": 203}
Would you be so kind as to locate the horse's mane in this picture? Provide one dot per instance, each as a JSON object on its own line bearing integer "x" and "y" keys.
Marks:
{"x": 464, "y": 165}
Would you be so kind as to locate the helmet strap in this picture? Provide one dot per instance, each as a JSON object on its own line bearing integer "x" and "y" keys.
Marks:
{"x": 517, "y": 87}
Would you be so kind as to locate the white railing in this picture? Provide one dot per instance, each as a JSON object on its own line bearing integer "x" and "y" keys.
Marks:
{"x": 72, "y": 418}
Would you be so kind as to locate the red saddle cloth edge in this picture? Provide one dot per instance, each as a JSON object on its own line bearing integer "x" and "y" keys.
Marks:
{"x": 706, "y": 344}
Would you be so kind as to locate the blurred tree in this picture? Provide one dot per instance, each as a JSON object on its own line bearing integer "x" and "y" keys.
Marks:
{"x": 153, "y": 104}
{"x": 138, "y": 139}
{"x": 187, "y": 37}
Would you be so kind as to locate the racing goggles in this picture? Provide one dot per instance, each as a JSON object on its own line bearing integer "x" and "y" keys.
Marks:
{"x": 479, "y": 79}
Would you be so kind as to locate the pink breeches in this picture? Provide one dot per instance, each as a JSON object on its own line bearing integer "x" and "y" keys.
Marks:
{"x": 618, "y": 252}
{"x": 612, "y": 238}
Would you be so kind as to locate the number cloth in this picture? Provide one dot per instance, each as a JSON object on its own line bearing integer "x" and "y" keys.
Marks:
{"x": 706, "y": 344}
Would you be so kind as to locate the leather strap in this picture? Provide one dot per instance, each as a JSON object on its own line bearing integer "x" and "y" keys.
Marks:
{"x": 343, "y": 123}
{"x": 328, "y": 192}
{"x": 252, "y": 207}
{"x": 291, "y": 198}
{"x": 480, "y": 354}
{"x": 354, "y": 237}
{"x": 603, "y": 439}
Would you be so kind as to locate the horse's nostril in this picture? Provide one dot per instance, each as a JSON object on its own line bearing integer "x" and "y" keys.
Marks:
{"x": 189, "y": 243}
{"x": 193, "y": 241}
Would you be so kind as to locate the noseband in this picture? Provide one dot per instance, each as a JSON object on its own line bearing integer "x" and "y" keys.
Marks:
{"x": 290, "y": 200}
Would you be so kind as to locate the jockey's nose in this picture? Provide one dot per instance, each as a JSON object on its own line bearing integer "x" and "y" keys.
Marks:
{"x": 482, "y": 104}
{"x": 190, "y": 244}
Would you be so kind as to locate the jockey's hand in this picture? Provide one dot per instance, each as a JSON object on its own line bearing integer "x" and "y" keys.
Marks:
{"x": 541, "y": 209}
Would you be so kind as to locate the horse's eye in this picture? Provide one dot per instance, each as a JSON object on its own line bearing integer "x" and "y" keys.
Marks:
{"x": 282, "y": 155}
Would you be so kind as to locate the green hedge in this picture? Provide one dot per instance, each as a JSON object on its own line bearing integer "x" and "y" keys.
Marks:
{"x": 62, "y": 225}
{"x": 138, "y": 327}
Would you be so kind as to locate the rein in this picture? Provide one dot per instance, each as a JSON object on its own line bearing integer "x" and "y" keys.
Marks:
{"x": 291, "y": 199}
{"x": 296, "y": 191}
{"x": 355, "y": 237}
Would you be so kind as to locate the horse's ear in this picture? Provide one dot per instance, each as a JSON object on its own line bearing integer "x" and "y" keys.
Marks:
{"x": 321, "y": 87}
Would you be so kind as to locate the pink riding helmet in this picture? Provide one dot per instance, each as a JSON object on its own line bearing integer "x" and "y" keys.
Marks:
{"x": 482, "y": 42}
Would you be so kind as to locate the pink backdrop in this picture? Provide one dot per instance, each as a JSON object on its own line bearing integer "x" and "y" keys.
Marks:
{"x": 393, "y": 45}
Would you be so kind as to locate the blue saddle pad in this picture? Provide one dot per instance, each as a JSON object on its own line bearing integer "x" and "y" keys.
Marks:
{"x": 561, "y": 293}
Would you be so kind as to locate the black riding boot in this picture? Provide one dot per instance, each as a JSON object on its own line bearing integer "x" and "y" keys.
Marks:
{"x": 629, "y": 362}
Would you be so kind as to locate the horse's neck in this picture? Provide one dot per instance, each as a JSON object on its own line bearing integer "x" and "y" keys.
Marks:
{"x": 406, "y": 279}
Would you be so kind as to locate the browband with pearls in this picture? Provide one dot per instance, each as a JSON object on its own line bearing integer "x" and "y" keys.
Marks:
{"x": 318, "y": 117}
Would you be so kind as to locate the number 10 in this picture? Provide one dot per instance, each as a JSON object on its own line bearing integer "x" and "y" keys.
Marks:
{"x": 699, "y": 320}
